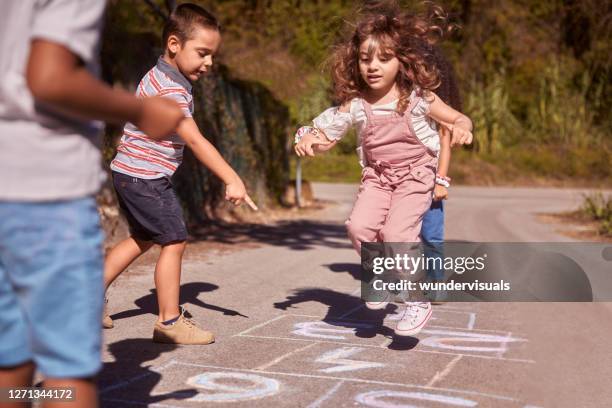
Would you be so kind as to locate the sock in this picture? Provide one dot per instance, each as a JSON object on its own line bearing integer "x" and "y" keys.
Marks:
{"x": 169, "y": 322}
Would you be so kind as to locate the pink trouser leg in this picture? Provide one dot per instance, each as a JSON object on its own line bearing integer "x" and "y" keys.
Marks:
{"x": 369, "y": 211}
{"x": 409, "y": 202}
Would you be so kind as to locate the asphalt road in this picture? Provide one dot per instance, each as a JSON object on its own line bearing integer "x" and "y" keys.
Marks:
{"x": 292, "y": 331}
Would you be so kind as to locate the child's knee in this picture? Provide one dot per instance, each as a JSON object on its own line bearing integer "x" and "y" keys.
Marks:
{"x": 359, "y": 231}
{"x": 390, "y": 233}
{"x": 177, "y": 246}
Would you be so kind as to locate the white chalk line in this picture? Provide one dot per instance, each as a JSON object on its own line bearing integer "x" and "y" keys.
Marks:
{"x": 284, "y": 356}
{"x": 440, "y": 375}
{"x": 356, "y": 380}
{"x": 472, "y": 321}
{"x": 322, "y": 319}
{"x": 151, "y": 371}
{"x": 326, "y": 396}
{"x": 257, "y": 326}
{"x": 505, "y": 348}
{"x": 386, "y": 342}
{"x": 356, "y": 308}
{"x": 515, "y": 360}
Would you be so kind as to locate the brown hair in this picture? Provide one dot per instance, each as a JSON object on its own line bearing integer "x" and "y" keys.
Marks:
{"x": 448, "y": 90}
{"x": 184, "y": 18}
{"x": 407, "y": 35}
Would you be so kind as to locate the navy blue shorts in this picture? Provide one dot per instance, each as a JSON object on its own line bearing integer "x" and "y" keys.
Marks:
{"x": 151, "y": 208}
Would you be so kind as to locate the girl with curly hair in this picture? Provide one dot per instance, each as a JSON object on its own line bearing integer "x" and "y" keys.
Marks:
{"x": 384, "y": 80}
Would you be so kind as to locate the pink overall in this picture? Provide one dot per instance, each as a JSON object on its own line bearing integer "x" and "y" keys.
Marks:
{"x": 397, "y": 183}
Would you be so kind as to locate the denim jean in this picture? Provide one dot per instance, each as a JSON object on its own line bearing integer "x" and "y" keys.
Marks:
{"x": 432, "y": 235}
{"x": 51, "y": 286}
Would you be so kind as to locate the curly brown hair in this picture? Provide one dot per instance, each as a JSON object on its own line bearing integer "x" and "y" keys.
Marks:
{"x": 406, "y": 35}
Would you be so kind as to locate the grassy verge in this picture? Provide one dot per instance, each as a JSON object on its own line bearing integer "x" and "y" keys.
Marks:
{"x": 598, "y": 208}
{"x": 336, "y": 168}
{"x": 517, "y": 166}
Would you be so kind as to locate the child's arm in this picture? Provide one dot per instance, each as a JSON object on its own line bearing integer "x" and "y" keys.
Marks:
{"x": 309, "y": 140}
{"x": 337, "y": 120}
{"x": 210, "y": 157}
{"x": 57, "y": 78}
{"x": 440, "y": 191}
{"x": 459, "y": 125}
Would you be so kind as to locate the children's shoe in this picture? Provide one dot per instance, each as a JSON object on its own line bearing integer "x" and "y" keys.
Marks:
{"x": 376, "y": 305}
{"x": 107, "y": 322}
{"x": 379, "y": 305}
{"x": 183, "y": 331}
{"x": 414, "y": 319}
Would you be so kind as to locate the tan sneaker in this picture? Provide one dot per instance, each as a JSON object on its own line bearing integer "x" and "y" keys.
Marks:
{"x": 183, "y": 331}
{"x": 107, "y": 322}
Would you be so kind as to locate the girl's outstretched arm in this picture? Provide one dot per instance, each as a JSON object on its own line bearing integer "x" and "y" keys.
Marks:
{"x": 313, "y": 140}
{"x": 459, "y": 125}
{"x": 329, "y": 127}
{"x": 310, "y": 140}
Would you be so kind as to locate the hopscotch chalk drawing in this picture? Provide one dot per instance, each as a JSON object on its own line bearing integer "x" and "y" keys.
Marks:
{"x": 230, "y": 386}
{"x": 455, "y": 341}
{"x": 326, "y": 331}
{"x": 376, "y": 399}
{"x": 218, "y": 384}
{"x": 342, "y": 363}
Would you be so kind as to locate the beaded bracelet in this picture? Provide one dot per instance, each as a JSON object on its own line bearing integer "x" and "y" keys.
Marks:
{"x": 304, "y": 130}
{"x": 442, "y": 182}
{"x": 438, "y": 175}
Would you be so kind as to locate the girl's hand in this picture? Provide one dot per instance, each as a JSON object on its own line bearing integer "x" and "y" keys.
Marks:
{"x": 459, "y": 125}
{"x": 322, "y": 148}
{"x": 440, "y": 193}
{"x": 305, "y": 146}
{"x": 235, "y": 193}
{"x": 460, "y": 136}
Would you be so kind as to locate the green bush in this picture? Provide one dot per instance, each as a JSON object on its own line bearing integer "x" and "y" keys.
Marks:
{"x": 599, "y": 208}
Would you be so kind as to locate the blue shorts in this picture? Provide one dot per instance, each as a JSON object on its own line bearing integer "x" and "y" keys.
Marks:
{"x": 51, "y": 286}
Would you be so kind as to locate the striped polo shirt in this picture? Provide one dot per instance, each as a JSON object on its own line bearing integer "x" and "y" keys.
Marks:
{"x": 137, "y": 154}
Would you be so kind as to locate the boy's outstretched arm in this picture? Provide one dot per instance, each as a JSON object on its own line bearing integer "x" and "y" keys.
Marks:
{"x": 210, "y": 157}
{"x": 58, "y": 79}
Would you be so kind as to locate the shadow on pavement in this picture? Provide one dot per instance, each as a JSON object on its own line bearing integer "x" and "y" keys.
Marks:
{"x": 295, "y": 234}
{"x": 365, "y": 323}
{"x": 127, "y": 381}
{"x": 354, "y": 269}
{"x": 189, "y": 293}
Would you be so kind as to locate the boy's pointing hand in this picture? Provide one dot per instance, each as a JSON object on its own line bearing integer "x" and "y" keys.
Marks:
{"x": 250, "y": 203}
{"x": 236, "y": 194}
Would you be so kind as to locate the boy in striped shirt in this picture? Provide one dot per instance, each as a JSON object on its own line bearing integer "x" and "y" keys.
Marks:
{"x": 142, "y": 169}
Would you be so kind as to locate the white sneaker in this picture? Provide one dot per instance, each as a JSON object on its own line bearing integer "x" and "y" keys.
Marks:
{"x": 376, "y": 305}
{"x": 414, "y": 319}
{"x": 379, "y": 305}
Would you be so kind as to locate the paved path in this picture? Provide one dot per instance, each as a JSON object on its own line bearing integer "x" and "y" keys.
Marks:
{"x": 292, "y": 331}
